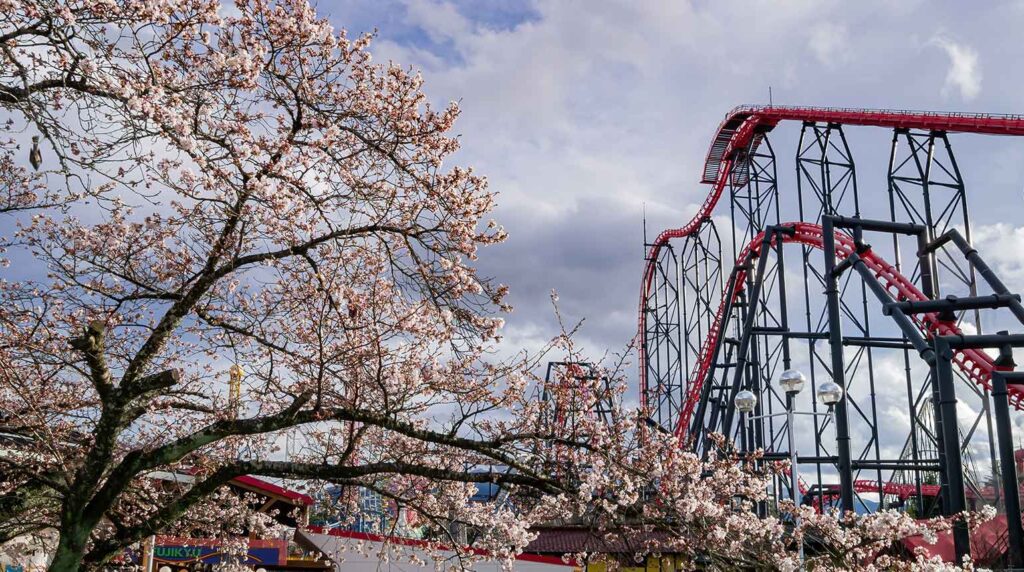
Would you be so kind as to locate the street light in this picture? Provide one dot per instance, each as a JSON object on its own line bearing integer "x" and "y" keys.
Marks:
{"x": 745, "y": 401}
{"x": 829, "y": 393}
{"x": 792, "y": 381}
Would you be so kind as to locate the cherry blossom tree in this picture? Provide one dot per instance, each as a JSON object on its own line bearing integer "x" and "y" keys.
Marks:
{"x": 237, "y": 186}
{"x": 243, "y": 187}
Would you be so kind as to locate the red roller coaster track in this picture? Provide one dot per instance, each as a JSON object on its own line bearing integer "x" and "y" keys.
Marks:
{"x": 976, "y": 364}
{"x": 734, "y": 134}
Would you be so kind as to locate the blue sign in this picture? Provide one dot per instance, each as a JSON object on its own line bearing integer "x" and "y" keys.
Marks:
{"x": 213, "y": 554}
{"x": 176, "y": 550}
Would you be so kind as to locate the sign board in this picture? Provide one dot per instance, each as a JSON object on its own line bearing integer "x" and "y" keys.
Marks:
{"x": 175, "y": 550}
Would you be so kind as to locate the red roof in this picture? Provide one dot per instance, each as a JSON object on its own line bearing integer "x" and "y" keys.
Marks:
{"x": 252, "y": 482}
{"x": 566, "y": 540}
{"x": 527, "y": 556}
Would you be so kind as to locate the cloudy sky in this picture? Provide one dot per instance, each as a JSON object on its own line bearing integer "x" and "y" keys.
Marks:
{"x": 585, "y": 113}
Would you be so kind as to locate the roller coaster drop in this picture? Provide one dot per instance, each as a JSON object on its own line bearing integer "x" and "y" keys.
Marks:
{"x": 893, "y": 331}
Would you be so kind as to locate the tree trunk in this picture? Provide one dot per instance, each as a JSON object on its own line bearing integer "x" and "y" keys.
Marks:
{"x": 70, "y": 550}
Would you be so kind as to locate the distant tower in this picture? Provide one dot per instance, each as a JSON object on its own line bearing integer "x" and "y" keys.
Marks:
{"x": 235, "y": 374}
{"x": 290, "y": 444}
{"x": 35, "y": 157}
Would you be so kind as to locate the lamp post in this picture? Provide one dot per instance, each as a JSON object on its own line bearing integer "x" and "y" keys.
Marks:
{"x": 745, "y": 401}
{"x": 792, "y": 382}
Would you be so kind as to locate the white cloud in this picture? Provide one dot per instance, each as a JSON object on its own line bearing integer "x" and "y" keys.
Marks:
{"x": 440, "y": 21}
{"x": 1001, "y": 245}
{"x": 964, "y": 74}
{"x": 830, "y": 43}
{"x": 585, "y": 110}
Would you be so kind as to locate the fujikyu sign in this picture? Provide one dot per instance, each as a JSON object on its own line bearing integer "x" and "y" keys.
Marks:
{"x": 178, "y": 552}
{"x": 175, "y": 550}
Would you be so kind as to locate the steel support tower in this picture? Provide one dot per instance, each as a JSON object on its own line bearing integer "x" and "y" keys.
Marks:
{"x": 880, "y": 292}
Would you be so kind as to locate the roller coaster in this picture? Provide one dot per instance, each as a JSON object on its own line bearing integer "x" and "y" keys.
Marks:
{"x": 924, "y": 423}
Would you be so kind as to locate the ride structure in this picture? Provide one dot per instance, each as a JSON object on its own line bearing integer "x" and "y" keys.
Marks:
{"x": 901, "y": 326}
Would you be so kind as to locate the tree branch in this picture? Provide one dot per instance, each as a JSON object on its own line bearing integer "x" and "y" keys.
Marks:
{"x": 172, "y": 511}
{"x": 91, "y": 345}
